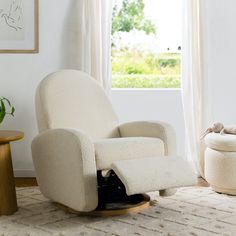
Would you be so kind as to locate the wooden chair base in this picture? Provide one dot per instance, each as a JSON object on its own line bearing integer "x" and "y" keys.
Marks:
{"x": 113, "y": 209}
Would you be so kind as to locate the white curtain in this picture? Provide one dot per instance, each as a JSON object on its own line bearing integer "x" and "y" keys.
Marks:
{"x": 195, "y": 92}
{"x": 94, "y": 39}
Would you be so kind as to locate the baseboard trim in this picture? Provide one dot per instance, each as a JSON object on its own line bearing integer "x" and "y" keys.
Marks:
{"x": 24, "y": 173}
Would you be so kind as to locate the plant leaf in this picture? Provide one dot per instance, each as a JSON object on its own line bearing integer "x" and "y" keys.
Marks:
{"x": 9, "y": 103}
{"x": 12, "y": 111}
{"x": 2, "y": 115}
{"x": 3, "y": 106}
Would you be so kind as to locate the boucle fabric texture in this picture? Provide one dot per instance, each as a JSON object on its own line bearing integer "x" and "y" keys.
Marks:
{"x": 155, "y": 129}
{"x": 73, "y": 99}
{"x": 109, "y": 150}
{"x": 73, "y": 112}
{"x": 226, "y": 142}
{"x": 220, "y": 170}
{"x": 160, "y": 173}
{"x": 64, "y": 161}
{"x": 192, "y": 211}
{"x": 220, "y": 162}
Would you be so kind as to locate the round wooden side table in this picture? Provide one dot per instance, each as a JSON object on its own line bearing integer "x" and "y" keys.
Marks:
{"x": 8, "y": 203}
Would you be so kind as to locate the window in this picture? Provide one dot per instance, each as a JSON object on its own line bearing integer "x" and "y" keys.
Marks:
{"x": 146, "y": 43}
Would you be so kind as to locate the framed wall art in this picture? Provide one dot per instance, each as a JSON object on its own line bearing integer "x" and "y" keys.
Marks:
{"x": 19, "y": 30}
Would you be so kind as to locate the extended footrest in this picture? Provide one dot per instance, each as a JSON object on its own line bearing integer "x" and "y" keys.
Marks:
{"x": 154, "y": 173}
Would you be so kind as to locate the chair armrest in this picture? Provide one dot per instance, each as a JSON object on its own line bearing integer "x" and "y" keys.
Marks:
{"x": 64, "y": 161}
{"x": 159, "y": 130}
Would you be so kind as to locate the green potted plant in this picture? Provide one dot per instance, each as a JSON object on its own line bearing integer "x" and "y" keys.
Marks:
{"x": 5, "y": 108}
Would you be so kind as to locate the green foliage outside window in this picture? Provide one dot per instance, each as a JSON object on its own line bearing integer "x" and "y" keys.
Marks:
{"x": 135, "y": 68}
{"x": 131, "y": 16}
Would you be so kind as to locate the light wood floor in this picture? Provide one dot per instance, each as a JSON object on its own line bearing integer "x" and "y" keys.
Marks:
{"x": 27, "y": 182}
{"x": 202, "y": 183}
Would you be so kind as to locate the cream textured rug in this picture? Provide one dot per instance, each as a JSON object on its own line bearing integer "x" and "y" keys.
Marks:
{"x": 195, "y": 211}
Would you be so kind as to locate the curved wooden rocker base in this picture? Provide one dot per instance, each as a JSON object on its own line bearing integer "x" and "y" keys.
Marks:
{"x": 115, "y": 209}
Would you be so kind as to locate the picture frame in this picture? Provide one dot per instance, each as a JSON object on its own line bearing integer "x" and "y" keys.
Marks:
{"x": 19, "y": 24}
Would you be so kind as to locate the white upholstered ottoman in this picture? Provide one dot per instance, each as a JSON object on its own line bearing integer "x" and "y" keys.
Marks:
{"x": 220, "y": 162}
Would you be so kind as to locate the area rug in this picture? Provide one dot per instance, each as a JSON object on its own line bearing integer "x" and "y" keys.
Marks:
{"x": 196, "y": 211}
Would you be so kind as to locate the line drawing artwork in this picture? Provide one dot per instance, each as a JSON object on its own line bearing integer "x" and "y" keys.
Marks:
{"x": 11, "y": 20}
{"x": 13, "y": 16}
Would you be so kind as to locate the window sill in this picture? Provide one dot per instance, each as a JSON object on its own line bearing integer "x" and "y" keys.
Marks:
{"x": 146, "y": 89}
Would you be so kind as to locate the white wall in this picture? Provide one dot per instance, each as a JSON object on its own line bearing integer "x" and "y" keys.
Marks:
{"x": 221, "y": 18}
{"x": 20, "y": 74}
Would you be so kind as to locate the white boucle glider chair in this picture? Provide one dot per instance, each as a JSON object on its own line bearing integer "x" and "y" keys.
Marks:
{"x": 85, "y": 160}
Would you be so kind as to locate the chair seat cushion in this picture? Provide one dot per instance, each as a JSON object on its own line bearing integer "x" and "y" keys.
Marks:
{"x": 109, "y": 150}
{"x": 221, "y": 142}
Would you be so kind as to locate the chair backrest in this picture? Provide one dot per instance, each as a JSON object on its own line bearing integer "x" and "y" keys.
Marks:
{"x": 73, "y": 99}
